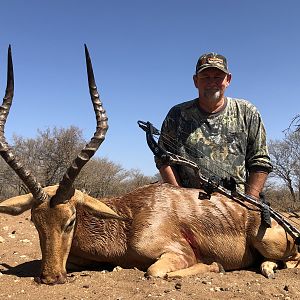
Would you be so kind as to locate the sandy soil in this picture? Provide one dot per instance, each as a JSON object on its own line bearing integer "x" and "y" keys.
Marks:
{"x": 20, "y": 263}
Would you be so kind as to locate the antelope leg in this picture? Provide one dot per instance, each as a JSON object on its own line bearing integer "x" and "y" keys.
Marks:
{"x": 197, "y": 269}
{"x": 167, "y": 263}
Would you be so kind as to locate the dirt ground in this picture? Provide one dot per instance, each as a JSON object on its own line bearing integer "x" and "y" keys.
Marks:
{"x": 20, "y": 263}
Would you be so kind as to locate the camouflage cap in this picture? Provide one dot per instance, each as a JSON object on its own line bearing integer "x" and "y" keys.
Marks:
{"x": 211, "y": 60}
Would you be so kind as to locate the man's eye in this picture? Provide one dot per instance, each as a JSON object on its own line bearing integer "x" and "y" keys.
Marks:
{"x": 212, "y": 78}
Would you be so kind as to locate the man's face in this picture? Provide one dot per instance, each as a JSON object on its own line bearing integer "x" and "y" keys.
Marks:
{"x": 211, "y": 84}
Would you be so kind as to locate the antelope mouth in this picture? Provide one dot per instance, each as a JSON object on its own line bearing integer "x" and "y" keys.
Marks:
{"x": 51, "y": 280}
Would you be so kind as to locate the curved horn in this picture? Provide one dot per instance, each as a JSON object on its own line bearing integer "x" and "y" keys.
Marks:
{"x": 65, "y": 189}
{"x": 5, "y": 151}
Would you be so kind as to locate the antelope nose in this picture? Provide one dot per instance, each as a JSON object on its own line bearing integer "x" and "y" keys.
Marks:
{"x": 52, "y": 279}
{"x": 61, "y": 278}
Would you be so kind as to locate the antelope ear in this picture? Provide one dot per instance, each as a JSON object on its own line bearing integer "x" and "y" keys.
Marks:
{"x": 16, "y": 205}
{"x": 98, "y": 208}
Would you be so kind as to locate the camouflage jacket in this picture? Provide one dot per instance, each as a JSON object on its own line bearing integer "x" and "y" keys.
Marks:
{"x": 231, "y": 142}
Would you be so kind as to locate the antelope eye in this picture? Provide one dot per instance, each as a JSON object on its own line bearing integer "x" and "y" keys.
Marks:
{"x": 69, "y": 226}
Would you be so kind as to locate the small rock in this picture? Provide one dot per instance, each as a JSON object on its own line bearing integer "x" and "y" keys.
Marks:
{"x": 117, "y": 269}
{"x": 206, "y": 282}
{"x": 2, "y": 240}
{"x": 178, "y": 286}
{"x": 277, "y": 295}
{"x": 86, "y": 286}
{"x": 286, "y": 288}
{"x": 25, "y": 241}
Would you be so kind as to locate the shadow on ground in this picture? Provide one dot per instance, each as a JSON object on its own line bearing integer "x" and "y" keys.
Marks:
{"x": 27, "y": 269}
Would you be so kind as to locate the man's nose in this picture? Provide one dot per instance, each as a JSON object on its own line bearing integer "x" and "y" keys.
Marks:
{"x": 212, "y": 81}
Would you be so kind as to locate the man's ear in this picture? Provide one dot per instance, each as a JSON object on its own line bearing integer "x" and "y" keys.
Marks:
{"x": 229, "y": 76}
{"x": 195, "y": 79}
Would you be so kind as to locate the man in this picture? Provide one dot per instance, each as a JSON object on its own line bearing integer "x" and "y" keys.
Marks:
{"x": 224, "y": 136}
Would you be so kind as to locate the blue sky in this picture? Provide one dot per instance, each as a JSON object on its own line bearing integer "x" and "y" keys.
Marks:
{"x": 144, "y": 55}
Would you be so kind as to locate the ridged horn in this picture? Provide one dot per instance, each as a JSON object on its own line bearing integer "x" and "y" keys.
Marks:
{"x": 65, "y": 189}
{"x": 5, "y": 150}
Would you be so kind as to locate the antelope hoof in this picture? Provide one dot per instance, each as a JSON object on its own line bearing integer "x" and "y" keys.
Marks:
{"x": 155, "y": 273}
{"x": 219, "y": 268}
{"x": 269, "y": 274}
{"x": 267, "y": 269}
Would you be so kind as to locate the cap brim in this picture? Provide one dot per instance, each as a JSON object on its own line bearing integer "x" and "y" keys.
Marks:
{"x": 207, "y": 67}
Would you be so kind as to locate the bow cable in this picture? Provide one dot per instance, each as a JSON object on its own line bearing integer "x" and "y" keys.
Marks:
{"x": 209, "y": 185}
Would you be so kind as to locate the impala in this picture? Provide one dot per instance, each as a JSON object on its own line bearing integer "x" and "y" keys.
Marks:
{"x": 163, "y": 229}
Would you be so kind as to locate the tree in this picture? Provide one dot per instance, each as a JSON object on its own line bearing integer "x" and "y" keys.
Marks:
{"x": 285, "y": 156}
{"x": 47, "y": 156}
{"x": 295, "y": 123}
{"x": 50, "y": 154}
{"x": 10, "y": 184}
{"x": 136, "y": 179}
{"x": 101, "y": 177}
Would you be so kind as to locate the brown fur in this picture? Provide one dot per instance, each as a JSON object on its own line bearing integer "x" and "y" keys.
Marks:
{"x": 163, "y": 229}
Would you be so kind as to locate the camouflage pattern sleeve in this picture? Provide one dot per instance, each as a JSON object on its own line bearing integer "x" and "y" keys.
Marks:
{"x": 257, "y": 155}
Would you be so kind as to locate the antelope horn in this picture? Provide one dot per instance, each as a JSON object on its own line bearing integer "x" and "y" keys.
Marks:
{"x": 65, "y": 189}
{"x": 5, "y": 150}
